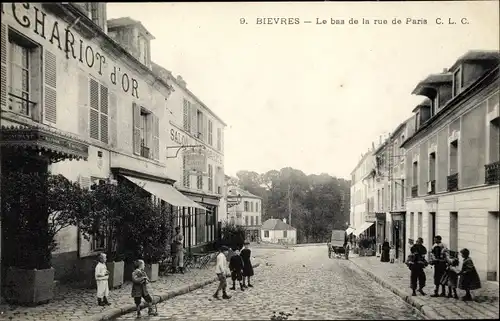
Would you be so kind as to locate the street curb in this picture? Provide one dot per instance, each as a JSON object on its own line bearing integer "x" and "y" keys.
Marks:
{"x": 427, "y": 311}
{"x": 157, "y": 298}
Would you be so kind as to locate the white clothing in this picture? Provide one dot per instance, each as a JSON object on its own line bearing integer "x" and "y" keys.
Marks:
{"x": 392, "y": 254}
{"x": 221, "y": 266}
{"x": 101, "y": 278}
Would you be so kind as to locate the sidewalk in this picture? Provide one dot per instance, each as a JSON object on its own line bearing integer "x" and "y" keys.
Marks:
{"x": 396, "y": 277}
{"x": 81, "y": 304}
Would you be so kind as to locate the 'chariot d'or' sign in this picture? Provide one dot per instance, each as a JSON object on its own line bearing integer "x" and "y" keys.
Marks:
{"x": 29, "y": 16}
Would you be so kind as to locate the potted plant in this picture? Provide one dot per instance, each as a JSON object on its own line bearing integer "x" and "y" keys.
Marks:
{"x": 36, "y": 206}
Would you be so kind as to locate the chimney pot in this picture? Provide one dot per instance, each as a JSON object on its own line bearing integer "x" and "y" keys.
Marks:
{"x": 181, "y": 81}
{"x": 445, "y": 70}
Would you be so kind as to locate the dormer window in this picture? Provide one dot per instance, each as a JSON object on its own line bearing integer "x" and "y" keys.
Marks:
{"x": 435, "y": 104}
{"x": 417, "y": 120}
{"x": 457, "y": 81}
{"x": 144, "y": 50}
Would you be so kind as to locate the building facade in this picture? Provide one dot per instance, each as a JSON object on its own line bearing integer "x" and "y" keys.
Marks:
{"x": 278, "y": 231}
{"x": 360, "y": 187}
{"x": 246, "y": 211}
{"x": 74, "y": 88}
{"x": 452, "y": 160}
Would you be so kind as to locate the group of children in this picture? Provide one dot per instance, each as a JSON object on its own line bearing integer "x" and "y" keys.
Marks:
{"x": 240, "y": 266}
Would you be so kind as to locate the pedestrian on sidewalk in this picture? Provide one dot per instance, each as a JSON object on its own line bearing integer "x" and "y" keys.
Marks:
{"x": 246, "y": 255}
{"x": 450, "y": 278}
{"x": 178, "y": 242}
{"x": 384, "y": 257}
{"x": 221, "y": 271}
{"x": 416, "y": 264}
{"x": 392, "y": 254}
{"x": 236, "y": 268}
{"x": 101, "y": 278}
{"x": 140, "y": 282}
{"x": 469, "y": 278}
{"x": 438, "y": 260}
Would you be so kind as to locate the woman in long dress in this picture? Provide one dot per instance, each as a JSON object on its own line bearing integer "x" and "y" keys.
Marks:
{"x": 385, "y": 252}
{"x": 246, "y": 254}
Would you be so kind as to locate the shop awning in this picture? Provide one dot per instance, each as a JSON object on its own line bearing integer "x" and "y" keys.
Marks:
{"x": 363, "y": 228}
{"x": 350, "y": 230}
{"x": 166, "y": 192}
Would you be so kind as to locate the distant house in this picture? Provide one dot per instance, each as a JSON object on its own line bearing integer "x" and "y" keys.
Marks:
{"x": 275, "y": 231}
{"x": 245, "y": 209}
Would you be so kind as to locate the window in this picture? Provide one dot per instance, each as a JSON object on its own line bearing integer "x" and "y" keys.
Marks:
{"x": 494, "y": 128}
{"x": 419, "y": 226}
{"x": 285, "y": 234}
{"x": 457, "y": 82}
{"x": 144, "y": 50}
{"x": 266, "y": 233}
{"x": 145, "y": 133}
{"x": 257, "y": 207}
{"x": 98, "y": 111}
{"x": 24, "y": 63}
{"x": 432, "y": 226}
{"x": 210, "y": 178}
{"x": 246, "y": 220}
{"x": 402, "y": 192}
{"x": 412, "y": 225}
{"x": 219, "y": 139}
{"x": 251, "y": 206}
{"x": 199, "y": 123}
{"x": 210, "y": 133}
{"x": 415, "y": 174}
{"x": 454, "y": 231}
{"x": 383, "y": 199}
{"x": 199, "y": 181}
{"x": 186, "y": 175}
{"x": 453, "y": 157}
{"x": 417, "y": 120}
{"x": 246, "y": 206}
{"x": 432, "y": 166}
{"x": 435, "y": 104}
{"x": 256, "y": 220}
{"x": 251, "y": 220}
{"x": 187, "y": 115}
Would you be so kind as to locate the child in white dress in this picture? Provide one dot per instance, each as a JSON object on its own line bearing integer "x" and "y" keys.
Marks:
{"x": 392, "y": 254}
{"x": 101, "y": 277}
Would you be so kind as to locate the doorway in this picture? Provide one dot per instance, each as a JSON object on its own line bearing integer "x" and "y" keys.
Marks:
{"x": 493, "y": 247}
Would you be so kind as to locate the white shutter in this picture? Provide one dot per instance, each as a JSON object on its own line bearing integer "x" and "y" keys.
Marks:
{"x": 83, "y": 105}
{"x": 205, "y": 128}
{"x": 186, "y": 118}
{"x": 113, "y": 117}
{"x": 4, "y": 52}
{"x": 104, "y": 100}
{"x": 50, "y": 95}
{"x": 136, "y": 109}
{"x": 194, "y": 119}
{"x": 94, "y": 109}
{"x": 156, "y": 137}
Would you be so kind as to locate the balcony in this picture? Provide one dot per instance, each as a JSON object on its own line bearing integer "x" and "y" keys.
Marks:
{"x": 452, "y": 182}
{"x": 431, "y": 187}
{"x": 414, "y": 191}
{"x": 144, "y": 151}
{"x": 21, "y": 105}
{"x": 492, "y": 173}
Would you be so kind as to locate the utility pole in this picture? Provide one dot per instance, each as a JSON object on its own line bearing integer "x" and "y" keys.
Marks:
{"x": 290, "y": 193}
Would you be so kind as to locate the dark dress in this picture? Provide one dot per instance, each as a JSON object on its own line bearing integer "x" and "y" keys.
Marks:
{"x": 247, "y": 264}
{"x": 469, "y": 279}
{"x": 385, "y": 252}
{"x": 236, "y": 267}
{"x": 438, "y": 258}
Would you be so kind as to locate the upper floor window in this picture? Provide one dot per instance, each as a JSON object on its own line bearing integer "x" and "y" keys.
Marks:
{"x": 98, "y": 111}
{"x": 187, "y": 115}
{"x": 210, "y": 178}
{"x": 199, "y": 181}
{"x": 246, "y": 207}
{"x": 219, "y": 139}
{"x": 93, "y": 9}
{"x": 199, "y": 123}
{"x": 435, "y": 104}
{"x": 415, "y": 174}
{"x": 457, "y": 81}
{"x": 146, "y": 133}
{"x": 210, "y": 133}
{"x": 143, "y": 50}
{"x": 186, "y": 176}
{"x": 417, "y": 120}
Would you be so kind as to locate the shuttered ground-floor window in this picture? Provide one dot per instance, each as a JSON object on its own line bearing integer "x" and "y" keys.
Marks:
{"x": 197, "y": 226}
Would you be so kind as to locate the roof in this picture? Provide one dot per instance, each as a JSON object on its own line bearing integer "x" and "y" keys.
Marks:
{"x": 237, "y": 190}
{"x": 431, "y": 80}
{"x": 274, "y": 224}
{"x": 160, "y": 71}
{"x": 127, "y": 21}
{"x": 425, "y": 103}
{"x": 475, "y": 55}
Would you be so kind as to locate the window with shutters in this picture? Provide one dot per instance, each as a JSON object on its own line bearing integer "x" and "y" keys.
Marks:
{"x": 246, "y": 207}
{"x": 210, "y": 133}
{"x": 210, "y": 178}
{"x": 199, "y": 125}
{"x": 256, "y": 220}
{"x": 219, "y": 139}
{"x": 246, "y": 220}
{"x": 145, "y": 133}
{"x": 251, "y": 220}
{"x": 98, "y": 111}
{"x": 187, "y": 115}
{"x": 186, "y": 175}
{"x": 24, "y": 77}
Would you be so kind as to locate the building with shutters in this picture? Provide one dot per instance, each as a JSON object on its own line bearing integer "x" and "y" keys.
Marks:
{"x": 76, "y": 86}
{"x": 452, "y": 160}
{"x": 247, "y": 211}
{"x": 194, "y": 128}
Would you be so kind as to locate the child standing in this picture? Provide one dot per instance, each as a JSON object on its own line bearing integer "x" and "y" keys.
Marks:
{"x": 246, "y": 254}
{"x": 139, "y": 288}
{"x": 469, "y": 279}
{"x": 236, "y": 268}
{"x": 392, "y": 254}
{"x": 452, "y": 276}
{"x": 220, "y": 270}
{"x": 101, "y": 278}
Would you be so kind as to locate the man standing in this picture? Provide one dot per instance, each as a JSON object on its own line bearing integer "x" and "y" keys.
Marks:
{"x": 221, "y": 270}
{"x": 438, "y": 259}
{"x": 417, "y": 266}
{"x": 178, "y": 250}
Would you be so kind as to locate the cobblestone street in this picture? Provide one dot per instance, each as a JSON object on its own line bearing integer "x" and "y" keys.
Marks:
{"x": 303, "y": 282}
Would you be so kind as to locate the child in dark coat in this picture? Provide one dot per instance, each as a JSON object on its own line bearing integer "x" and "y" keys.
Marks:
{"x": 450, "y": 279}
{"x": 246, "y": 254}
{"x": 236, "y": 268}
{"x": 469, "y": 279}
{"x": 140, "y": 289}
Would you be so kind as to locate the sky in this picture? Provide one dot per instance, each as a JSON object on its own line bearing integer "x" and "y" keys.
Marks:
{"x": 310, "y": 96}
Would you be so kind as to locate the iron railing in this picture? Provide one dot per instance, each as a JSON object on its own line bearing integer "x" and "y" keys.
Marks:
{"x": 452, "y": 182}
{"x": 492, "y": 173}
{"x": 144, "y": 151}
{"x": 432, "y": 189}
{"x": 21, "y": 105}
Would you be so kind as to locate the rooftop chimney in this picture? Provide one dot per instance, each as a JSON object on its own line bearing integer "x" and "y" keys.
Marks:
{"x": 181, "y": 81}
{"x": 445, "y": 70}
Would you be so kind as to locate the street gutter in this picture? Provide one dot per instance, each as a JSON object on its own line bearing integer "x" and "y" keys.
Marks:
{"x": 117, "y": 312}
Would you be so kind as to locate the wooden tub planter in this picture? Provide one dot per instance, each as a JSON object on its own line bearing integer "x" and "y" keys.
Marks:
{"x": 29, "y": 287}
{"x": 116, "y": 270}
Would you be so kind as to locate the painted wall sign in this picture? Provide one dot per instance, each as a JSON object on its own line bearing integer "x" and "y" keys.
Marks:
{"x": 58, "y": 34}
{"x": 181, "y": 138}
